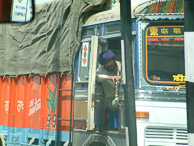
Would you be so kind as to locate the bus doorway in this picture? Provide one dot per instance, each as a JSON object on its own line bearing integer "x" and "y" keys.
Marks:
{"x": 107, "y": 112}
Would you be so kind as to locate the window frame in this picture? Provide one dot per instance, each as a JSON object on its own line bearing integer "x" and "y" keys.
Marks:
{"x": 145, "y": 36}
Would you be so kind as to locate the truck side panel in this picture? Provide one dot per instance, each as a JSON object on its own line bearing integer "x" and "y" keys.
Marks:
{"x": 29, "y": 109}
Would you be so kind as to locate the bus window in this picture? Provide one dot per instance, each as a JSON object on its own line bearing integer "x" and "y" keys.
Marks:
{"x": 84, "y": 62}
{"x": 88, "y": 31}
{"x": 165, "y": 54}
{"x": 99, "y": 30}
{"x": 113, "y": 28}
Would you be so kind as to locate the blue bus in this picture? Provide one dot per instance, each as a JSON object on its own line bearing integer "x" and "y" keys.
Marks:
{"x": 159, "y": 74}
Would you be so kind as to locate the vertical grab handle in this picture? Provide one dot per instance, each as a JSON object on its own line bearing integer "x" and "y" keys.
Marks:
{"x": 123, "y": 75}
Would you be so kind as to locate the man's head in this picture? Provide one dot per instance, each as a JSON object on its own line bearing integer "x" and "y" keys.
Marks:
{"x": 107, "y": 60}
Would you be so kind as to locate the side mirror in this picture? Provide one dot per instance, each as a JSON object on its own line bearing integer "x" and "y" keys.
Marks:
{"x": 18, "y": 11}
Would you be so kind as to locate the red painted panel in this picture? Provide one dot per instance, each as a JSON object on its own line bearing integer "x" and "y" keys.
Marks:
{"x": 27, "y": 87}
{"x": 19, "y": 101}
{"x": 5, "y": 94}
{"x": 34, "y": 102}
{"x": 50, "y": 99}
{"x": 12, "y": 102}
{"x": 1, "y": 102}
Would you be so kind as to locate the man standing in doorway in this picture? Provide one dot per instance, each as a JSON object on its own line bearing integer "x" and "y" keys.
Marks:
{"x": 108, "y": 74}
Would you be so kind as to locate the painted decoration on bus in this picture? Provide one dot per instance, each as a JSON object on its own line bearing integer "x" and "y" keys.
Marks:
{"x": 34, "y": 102}
{"x": 51, "y": 102}
{"x": 85, "y": 54}
{"x": 165, "y": 54}
{"x": 170, "y": 6}
{"x": 34, "y": 106}
{"x": 169, "y": 31}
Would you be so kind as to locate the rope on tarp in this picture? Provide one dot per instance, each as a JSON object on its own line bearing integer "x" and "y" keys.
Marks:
{"x": 72, "y": 79}
{"x": 75, "y": 45}
{"x": 47, "y": 39}
{"x": 17, "y": 57}
{"x": 31, "y": 49}
{"x": 61, "y": 27}
{"x": 71, "y": 22}
{"x": 5, "y": 59}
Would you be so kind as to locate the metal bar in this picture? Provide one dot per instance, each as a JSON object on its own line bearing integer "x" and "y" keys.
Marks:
{"x": 57, "y": 137}
{"x": 129, "y": 92}
{"x": 65, "y": 89}
{"x": 123, "y": 62}
{"x": 21, "y": 144}
{"x": 72, "y": 79}
{"x": 61, "y": 119}
{"x": 189, "y": 69}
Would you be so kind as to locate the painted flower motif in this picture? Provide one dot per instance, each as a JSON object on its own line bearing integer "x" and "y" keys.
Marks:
{"x": 52, "y": 101}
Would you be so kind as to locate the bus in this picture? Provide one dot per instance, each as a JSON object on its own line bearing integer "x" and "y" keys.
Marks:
{"x": 159, "y": 74}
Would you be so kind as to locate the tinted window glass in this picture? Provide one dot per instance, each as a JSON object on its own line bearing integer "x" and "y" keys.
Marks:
{"x": 165, "y": 54}
{"x": 111, "y": 28}
{"x": 88, "y": 32}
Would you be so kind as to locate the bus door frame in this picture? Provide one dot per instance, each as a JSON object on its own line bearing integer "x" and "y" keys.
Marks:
{"x": 91, "y": 82}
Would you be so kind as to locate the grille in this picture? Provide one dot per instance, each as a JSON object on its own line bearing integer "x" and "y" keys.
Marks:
{"x": 172, "y": 135}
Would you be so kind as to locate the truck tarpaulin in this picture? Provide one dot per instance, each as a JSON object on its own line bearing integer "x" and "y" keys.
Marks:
{"x": 47, "y": 44}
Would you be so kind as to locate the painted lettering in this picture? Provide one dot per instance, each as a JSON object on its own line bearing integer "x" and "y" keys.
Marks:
{"x": 20, "y": 106}
{"x": 34, "y": 106}
{"x": 7, "y": 106}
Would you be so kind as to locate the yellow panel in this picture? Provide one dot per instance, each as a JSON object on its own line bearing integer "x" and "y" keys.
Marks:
{"x": 80, "y": 109}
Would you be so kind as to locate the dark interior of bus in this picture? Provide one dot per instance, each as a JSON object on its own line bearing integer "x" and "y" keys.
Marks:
{"x": 113, "y": 44}
{"x": 165, "y": 60}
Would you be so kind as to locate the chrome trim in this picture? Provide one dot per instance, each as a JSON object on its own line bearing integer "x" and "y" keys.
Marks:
{"x": 157, "y": 16}
{"x": 175, "y": 135}
{"x": 172, "y": 96}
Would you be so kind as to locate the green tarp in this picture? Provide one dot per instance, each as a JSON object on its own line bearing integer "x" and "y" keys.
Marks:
{"x": 49, "y": 42}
